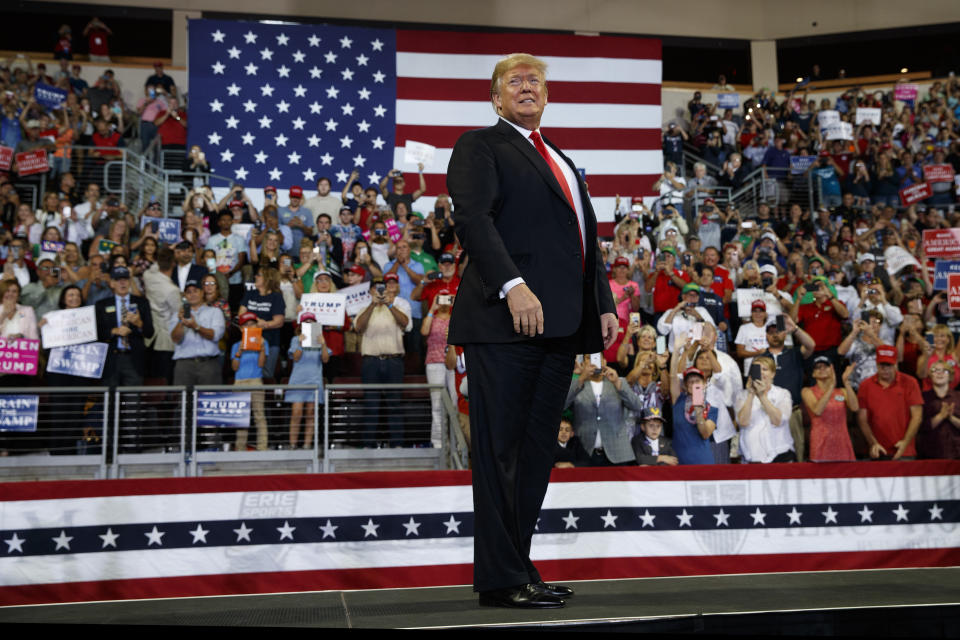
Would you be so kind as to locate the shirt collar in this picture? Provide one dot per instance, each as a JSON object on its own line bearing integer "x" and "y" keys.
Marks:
{"x": 524, "y": 132}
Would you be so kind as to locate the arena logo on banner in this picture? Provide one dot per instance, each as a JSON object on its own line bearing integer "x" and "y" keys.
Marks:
{"x": 49, "y": 97}
{"x": 938, "y": 173}
{"x": 19, "y": 356}
{"x": 6, "y": 158}
{"x": 32, "y": 162}
{"x": 19, "y": 413}
{"x": 941, "y": 243}
{"x": 915, "y": 193}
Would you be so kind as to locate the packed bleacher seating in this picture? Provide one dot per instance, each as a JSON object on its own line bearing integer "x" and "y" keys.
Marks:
{"x": 800, "y": 322}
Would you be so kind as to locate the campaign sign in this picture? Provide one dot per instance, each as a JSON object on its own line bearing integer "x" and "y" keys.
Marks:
{"x": 915, "y": 193}
{"x": 940, "y": 272}
{"x": 168, "y": 229}
{"x": 415, "y": 152}
{"x": 52, "y": 246}
{"x": 393, "y": 230}
{"x": 329, "y": 308}
{"x": 868, "y": 114}
{"x": 357, "y": 298}
{"x": 745, "y": 298}
{"x": 905, "y": 92}
{"x": 828, "y": 117}
{"x": 897, "y": 258}
{"x": 49, "y": 97}
{"x": 938, "y": 173}
{"x": 223, "y": 409}
{"x": 83, "y": 360}
{"x": 19, "y": 413}
{"x": 6, "y": 158}
{"x": 31, "y": 162}
{"x": 953, "y": 291}
{"x": 19, "y": 356}
{"x": 728, "y": 100}
{"x": 799, "y": 164}
{"x": 69, "y": 326}
{"x": 941, "y": 243}
{"x": 839, "y": 131}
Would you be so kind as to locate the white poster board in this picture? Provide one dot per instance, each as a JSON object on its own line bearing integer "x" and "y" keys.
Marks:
{"x": 69, "y": 326}
{"x": 328, "y": 308}
{"x": 357, "y": 298}
{"x": 828, "y": 117}
{"x": 868, "y": 114}
{"x": 415, "y": 152}
{"x": 896, "y": 258}
{"x": 746, "y": 297}
{"x": 839, "y": 131}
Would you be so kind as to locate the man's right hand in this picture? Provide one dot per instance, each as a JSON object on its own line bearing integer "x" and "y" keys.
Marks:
{"x": 526, "y": 310}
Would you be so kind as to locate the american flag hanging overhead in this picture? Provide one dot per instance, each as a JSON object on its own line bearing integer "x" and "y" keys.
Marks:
{"x": 286, "y": 104}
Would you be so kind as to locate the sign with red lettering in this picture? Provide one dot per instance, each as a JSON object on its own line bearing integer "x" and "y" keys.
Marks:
{"x": 6, "y": 158}
{"x": 938, "y": 173}
{"x": 915, "y": 193}
{"x": 941, "y": 243}
{"x": 31, "y": 162}
{"x": 953, "y": 291}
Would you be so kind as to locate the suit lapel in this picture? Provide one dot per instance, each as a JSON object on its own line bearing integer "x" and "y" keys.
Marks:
{"x": 527, "y": 149}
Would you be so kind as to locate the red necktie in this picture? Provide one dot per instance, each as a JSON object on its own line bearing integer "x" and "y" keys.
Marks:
{"x": 558, "y": 174}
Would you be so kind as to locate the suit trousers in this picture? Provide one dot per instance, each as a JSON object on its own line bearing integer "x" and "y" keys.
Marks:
{"x": 517, "y": 392}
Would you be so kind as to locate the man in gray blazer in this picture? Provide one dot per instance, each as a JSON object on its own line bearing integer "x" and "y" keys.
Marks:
{"x": 599, "y": 398}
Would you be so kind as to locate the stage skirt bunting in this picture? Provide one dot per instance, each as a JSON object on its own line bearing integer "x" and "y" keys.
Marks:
{"x": 117, "y": 539}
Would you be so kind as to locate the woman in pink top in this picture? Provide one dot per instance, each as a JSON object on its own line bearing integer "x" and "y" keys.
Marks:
{"x": 624, "y": 290}
{"x": 829, "y": 438}
{"x": 434, "y": 327}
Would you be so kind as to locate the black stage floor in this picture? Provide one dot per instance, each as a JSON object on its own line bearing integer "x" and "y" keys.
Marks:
{"x": 887, "y": 602}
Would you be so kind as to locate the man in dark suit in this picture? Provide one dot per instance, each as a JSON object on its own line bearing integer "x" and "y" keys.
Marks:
{"x": 185, "y": 270}
{"x": 124, "y": 321}
{"x": 533, "y": 294}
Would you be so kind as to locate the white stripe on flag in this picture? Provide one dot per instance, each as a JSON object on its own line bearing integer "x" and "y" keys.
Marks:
{"x": 561, "y": 69}
{"x": 596, "y": 162}
{"x": 441, "y": 113}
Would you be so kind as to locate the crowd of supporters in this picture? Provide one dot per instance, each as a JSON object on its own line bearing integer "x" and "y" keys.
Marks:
{"x": 783, "y": 331}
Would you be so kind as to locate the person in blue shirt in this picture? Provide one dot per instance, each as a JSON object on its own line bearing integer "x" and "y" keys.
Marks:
{"x": 248, "y": 365}
{"x": 826, "y": 175}
{"x": 307, "y": 369}
{"x": 692, "y": 424}
{"x": 297, "y": 217}
{"x": 410, "y": 275}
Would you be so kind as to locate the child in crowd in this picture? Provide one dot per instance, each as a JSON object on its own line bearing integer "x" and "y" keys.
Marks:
{"x": 567, "y": 452}
{"x": 307, "y": 369}
{"x": 650, "y": 446}
{"x": 248, "y": 365}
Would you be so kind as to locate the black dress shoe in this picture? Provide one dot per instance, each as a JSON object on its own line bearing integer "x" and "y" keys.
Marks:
{"x": 525, "y": 596}
{"x": 558, "y": 590}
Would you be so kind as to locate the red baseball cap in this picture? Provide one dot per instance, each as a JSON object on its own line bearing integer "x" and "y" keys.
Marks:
{"x": 236, "y": 203}
{"x": 886, "y": 354}
{"x": 693, "y": 371}
{"x": 357, "y": 269}
{"x": 758, "y": 304}
{"x": 296, "y": 192}
{"x": 391, "y": 276}
{"x": 269, "y": 188}
{"x": 621, "y": 262}
{"x": 244, "y": 318}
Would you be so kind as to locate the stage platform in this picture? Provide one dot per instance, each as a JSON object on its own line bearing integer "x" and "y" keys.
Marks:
{"x": 921, "y": 602}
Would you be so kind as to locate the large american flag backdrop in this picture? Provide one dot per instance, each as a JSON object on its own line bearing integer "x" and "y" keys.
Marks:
{"x": 286, "y": 104}
{"x": 116, "y": 539}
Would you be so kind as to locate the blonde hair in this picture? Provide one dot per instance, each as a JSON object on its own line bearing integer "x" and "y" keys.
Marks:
{"x": 767, "y": 363}
{"x": 511, "y": 62}
{"x": 942, "y": 329}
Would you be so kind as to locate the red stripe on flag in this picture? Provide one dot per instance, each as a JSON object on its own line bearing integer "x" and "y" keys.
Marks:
{"x": 53, "y": 490}
{"x": 567, "y": 92}
{"x": 540, "y": 44}
{"x": 462, "y": 574}
{"x": 565, "y": 138}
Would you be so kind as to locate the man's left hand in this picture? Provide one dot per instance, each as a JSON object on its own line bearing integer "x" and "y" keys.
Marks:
{"x": 609, "y": 327}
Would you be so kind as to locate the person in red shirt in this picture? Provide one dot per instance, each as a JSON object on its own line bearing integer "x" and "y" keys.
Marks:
{"x": 97, "y": 33}
{"x": 722, "y": 284}
{"x": 891, "y": 408}
{"x": 172, "y": 126}
{"x": 448, "y": 280}
{"x": 666, "y": 282}
{"x": 823, "y": 318}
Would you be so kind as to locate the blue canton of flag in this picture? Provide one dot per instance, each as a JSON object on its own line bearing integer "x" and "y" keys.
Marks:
{"x": 287, "y": 104}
